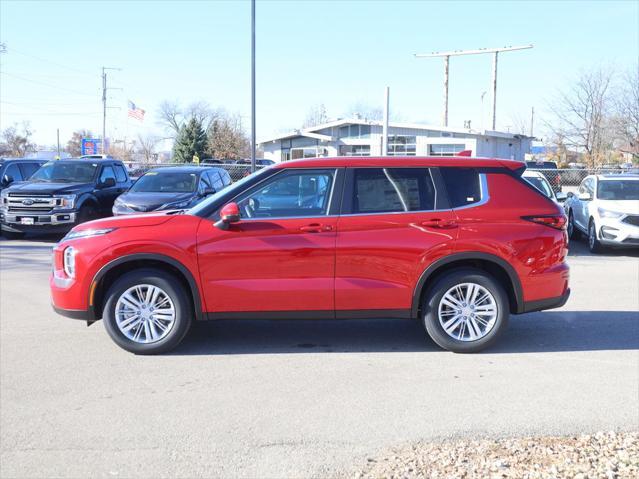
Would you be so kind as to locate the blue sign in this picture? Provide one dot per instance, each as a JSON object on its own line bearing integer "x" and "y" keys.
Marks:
{"x": 91, "y": 146}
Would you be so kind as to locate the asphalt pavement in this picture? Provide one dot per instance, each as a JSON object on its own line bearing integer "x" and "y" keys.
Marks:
{"x": 275, "y": 399}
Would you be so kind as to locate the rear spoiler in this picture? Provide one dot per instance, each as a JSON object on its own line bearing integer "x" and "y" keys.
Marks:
{"x": 517, "y": 167}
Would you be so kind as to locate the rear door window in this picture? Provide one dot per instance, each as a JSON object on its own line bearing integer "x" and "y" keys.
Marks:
{"x": 120, "y": 174}
{"x": 462, "y": 185}
{"x": 107, "y": 172}
{"x": 392, "y": 190}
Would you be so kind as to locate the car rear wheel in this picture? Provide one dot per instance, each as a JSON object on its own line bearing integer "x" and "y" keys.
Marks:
{"x": 573, "y": 232}
{"x": 465, "y": 311}
{"x": 147, "y": 312}
{"x": 594, "y": 245}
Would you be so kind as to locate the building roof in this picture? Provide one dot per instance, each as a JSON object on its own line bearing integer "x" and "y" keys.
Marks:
{"x": 313, "y": 131}
{"x": 415, "y": 161}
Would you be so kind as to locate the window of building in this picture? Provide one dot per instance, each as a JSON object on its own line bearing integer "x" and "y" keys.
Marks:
{"x": 309, "y": 152}
{"x": 462, "y": 185}
{"x": 355, "y": 150}
{"x": 402, "y": 145}
{"x": 355, "y": 131}
{"x": 389, "y": 190}
{"x": 446, "y": 150}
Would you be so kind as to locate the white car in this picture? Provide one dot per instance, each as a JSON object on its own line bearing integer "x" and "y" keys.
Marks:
{"x": 606, "y": 210}
{"x": 540, "y": 182}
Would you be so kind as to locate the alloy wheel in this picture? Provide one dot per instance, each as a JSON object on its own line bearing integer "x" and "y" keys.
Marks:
{"x": 467, "y": 312}
{"x": 145, "y": 313}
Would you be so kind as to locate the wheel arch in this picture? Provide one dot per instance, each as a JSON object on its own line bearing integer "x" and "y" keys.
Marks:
{"x": 87, "y": 199}
{"x": 494, "y": 265}
{"x": 104, "y": 277}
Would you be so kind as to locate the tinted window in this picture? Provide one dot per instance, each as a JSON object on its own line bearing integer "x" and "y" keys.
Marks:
{"x": 618, "y": 190}
{"x": 66, "y": 171}
{"x": 215, "y": 180}
{"x": 462, "y": 186}
{"x": 388, "y": 190}
{"x": 13, "y": 171}
{"x": 107, "y": 172}
{"x": 290, "y": 194}
{"x": 156, "y": 182}
{"x": 541, "y": 184}
{"x": 226, "y": 178}
{"x": 120, "y": 174}
{"x": 29, "y": 169}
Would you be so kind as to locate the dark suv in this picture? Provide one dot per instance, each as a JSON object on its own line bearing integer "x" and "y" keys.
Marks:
{"x": 17, "y": 169}
{"x": 62, "y": 194}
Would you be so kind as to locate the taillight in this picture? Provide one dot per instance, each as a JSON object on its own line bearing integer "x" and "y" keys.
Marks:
{"x": 554, "y": 221}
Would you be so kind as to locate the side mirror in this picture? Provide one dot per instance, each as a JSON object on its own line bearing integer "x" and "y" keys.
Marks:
{"x": 584, "y": 196}
{"x": 208, "y": 191}
{"x": 230, "y": 213}
{"x": 108, "y": 183}
{"x": 7, "y": 180}
{"x": 561, "y": 196}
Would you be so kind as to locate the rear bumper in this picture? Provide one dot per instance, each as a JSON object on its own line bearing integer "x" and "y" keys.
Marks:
{"x": 548, "y": 303}
{"x": 74, "y": 313}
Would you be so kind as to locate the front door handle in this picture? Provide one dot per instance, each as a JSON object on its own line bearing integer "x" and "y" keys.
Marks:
{"x": 439, "y": 223}
{"x": 316, "y": 228}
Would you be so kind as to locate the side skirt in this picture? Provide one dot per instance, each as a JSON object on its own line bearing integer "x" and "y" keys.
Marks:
{"x": 330, "y": 314}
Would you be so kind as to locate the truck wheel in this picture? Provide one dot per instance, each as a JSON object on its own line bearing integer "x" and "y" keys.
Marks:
{"x": 594, "y": 245}
{"x": 465, "y": 311}
{"x": 573, "y": 232}
{"x": 147, "y": 311}
{"x": 87, "y": 213}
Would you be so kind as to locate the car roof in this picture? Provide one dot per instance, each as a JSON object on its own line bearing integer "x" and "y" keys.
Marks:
{"x": 40, "y": 160}
{"x": 87, "y": 160}
{"x": 627, "y": 176}
{"x": 533, "y": 174}
{"x": 402, "y": 161}
{"x": 184, "y": 169}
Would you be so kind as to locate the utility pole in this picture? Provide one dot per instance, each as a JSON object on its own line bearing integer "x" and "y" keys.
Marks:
{"x": 447, "y": 55}
{"x": 532, "y": 120}
{"x": 385, "y": 126}
{"x": 104, "y": 105}
{"x": 58, "y": 134}
{"x": 253, "y": 146}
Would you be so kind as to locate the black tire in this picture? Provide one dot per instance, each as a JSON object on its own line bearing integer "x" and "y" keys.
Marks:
{"x": 434, "y": 295}
{"x": 573, "y": 232}
{"x": 87, "y": 213}
{"x": 173, "y": 288}
{"x": 594, "y": 245}
{"x": 12, "y": 235}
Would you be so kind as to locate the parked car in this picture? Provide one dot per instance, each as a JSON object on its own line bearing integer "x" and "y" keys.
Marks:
{"x": 458, "y": 243}
{"x": 540, "y": 182}
{"x": 549, "y": 170}
{"x": 606, "y": 210}
{"x": 171, "y": 188}
{"x": 62, "y": 194}
{"x": 17, "y": 169}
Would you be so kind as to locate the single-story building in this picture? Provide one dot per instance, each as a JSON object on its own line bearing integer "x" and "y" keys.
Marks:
{"x": 358, "y": 137}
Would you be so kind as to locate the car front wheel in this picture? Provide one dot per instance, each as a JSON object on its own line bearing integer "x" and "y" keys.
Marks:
{"x": 465, "y": 311}
{"x": 594, "y": 245}
{"x": 573, "y": 232}
{"x": 147, "y": 312}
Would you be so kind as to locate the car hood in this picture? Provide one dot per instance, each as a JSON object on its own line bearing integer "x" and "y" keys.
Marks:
{"x": 140, "y": 201}
{"x": 42, "y": 187}
{"x": 126, "y": 221}
{"x": 621, "y": 206}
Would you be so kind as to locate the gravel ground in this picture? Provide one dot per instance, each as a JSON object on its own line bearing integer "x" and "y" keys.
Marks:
{"x": 602, "y": 455}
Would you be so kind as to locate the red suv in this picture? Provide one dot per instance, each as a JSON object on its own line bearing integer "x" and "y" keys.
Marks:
{"x": 457, "y": 243}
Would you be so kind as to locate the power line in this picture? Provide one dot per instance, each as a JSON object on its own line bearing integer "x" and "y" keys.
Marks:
{"x": 46, "y": 84}
{"x": 13, "y": 50}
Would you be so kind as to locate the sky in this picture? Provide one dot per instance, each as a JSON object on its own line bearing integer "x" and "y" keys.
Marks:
{"x": 309, "y": 52}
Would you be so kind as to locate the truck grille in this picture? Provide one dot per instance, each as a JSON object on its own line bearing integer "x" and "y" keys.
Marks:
{"x": 30, "y": 204}
{"x": 632, "y": 220}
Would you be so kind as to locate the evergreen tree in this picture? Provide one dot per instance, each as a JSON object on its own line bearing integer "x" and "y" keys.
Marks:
{"x": 190, "y": 142}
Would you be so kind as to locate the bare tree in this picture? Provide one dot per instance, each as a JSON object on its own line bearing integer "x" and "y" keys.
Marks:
{"x": 582, "y": 115}
{"x": 365, "y": 112}
{"x": 122, "y": 150}
{"x": 173, "y": 116}
{"x": 520, "y": 125}
{"x": 146, "y": 147}
{"x": 227, "y": 139}
{"x": 626, "y": 120}
{"x": 316, "y": 116}
{"x": 74, "y": 145}
{"x": 16, "y": 140}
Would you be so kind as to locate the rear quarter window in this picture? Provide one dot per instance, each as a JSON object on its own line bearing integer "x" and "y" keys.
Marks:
{"x": 462, "y": 185}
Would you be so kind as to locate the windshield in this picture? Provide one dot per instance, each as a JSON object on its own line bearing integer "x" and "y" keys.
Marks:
{"x": 541, "y": 184}
{"x": 232, "y": 191}
{"x": 618, "y": 190}
{"x": 66, "y": 171}
{"x": 166, "y": 182}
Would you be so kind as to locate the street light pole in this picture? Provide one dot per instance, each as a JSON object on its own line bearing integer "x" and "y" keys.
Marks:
{"x": 253, "y": 146}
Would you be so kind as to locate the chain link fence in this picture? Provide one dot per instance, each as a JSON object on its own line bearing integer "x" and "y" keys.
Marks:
{"x": 569, "y": 179}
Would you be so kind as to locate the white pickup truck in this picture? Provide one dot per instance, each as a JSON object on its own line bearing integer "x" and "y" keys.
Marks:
{"x": 606, "y": 210}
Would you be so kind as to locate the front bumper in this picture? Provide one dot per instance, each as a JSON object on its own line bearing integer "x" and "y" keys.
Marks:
{"x": 617, "y": 233}
{"x": 25, "y": 222}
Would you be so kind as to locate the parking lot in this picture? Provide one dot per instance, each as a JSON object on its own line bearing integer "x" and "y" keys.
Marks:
{"x": 301, "y": 398}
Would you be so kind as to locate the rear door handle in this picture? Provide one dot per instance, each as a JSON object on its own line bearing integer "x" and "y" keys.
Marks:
{"x": 316, "y": 228}
{"x": 439, "y": 223}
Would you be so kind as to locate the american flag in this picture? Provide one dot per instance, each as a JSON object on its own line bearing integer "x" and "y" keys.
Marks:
{"x": 135, "y": 112}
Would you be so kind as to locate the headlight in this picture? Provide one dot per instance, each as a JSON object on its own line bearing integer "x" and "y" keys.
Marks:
{"x": 86, "y": 233}
{"x": 603, "y": 213}
{"x": 69, "y": 261}
{"x": 65, "y": 201}
{"x": 121, "y": 206}
{"x": 175, "y": 206}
